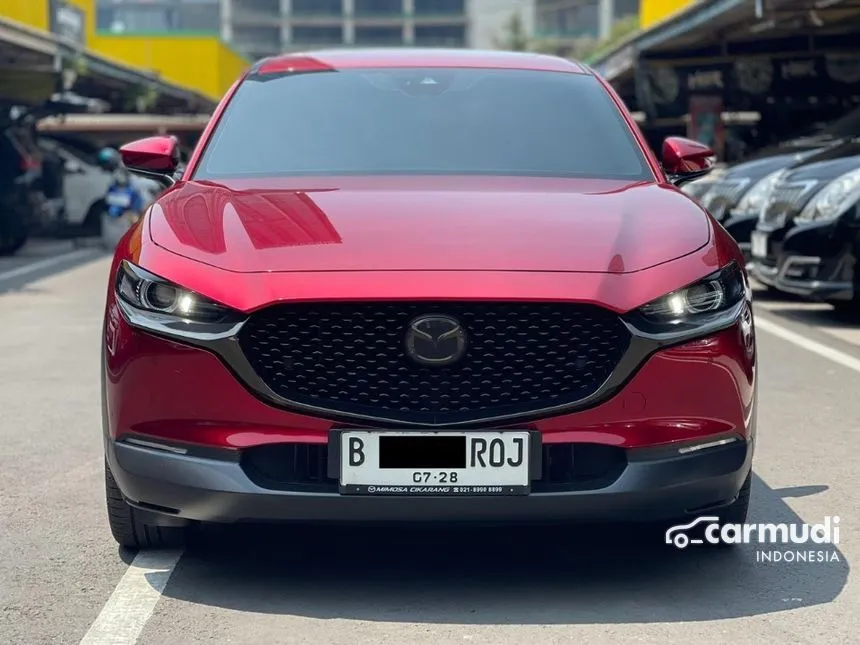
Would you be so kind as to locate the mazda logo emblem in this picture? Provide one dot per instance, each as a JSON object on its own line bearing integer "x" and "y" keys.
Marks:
{"x": 435, "y": 340}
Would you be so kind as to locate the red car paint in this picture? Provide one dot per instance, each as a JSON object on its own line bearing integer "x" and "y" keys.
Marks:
{"x": 250, "y": 243}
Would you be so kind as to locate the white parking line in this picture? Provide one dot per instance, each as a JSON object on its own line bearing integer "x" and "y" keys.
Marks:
{"x": 825, "y": 351}
{"x": 131, "y": 604}
{"x": 42, "y": 264}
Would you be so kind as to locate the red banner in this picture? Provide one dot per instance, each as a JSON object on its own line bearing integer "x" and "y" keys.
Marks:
{"x": 706, "y": 122}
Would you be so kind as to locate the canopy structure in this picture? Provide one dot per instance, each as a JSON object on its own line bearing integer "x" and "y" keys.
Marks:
{"x": 35, "y": 64}
{"x": 794, "y": 62}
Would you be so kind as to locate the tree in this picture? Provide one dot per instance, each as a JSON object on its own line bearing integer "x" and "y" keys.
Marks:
{"x": 514, "y": 37}
{"x": 620, "y": 30}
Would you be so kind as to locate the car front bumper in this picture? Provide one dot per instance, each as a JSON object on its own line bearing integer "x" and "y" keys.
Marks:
{"x": 656, "y": 483}
{"x": 793, "y": 274}
{"x": 740, "y": 228}
{"x": 815, "y": 261}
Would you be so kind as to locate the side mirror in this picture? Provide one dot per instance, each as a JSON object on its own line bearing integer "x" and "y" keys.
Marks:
{"x": 154, "y": 157}
{"x": 685, "y": 160}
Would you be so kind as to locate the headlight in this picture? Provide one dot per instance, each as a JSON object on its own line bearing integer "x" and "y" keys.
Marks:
{"x": 695, "y": 306}
{"x": 155, "y": 304}
{"x": 756, "y": 197}
{"x": 697, "y": 188}
{"x": 834, "y": 199}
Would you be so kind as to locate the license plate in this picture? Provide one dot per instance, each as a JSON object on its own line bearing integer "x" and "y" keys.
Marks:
{"x": 758, "y": 242}
{"x": 435, "y": 463}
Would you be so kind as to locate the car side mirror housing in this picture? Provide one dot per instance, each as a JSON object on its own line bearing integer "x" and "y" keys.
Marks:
{"x": 153, "y": 157}
{"x": 685, "y": 160}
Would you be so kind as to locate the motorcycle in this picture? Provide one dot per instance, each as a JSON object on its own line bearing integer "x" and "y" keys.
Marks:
{"x": 125, "y": 203}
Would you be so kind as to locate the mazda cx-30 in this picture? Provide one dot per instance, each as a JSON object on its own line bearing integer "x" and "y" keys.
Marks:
{"x": 424, "y": 286}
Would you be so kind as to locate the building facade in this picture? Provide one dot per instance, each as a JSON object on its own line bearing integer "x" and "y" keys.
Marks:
{"x": 264, "y": 27}
{"x": 488, "y": 20}
{"x": 574, "y": 19}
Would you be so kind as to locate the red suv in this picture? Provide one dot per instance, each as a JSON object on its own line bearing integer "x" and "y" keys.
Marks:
{"x": 424, "y": 286}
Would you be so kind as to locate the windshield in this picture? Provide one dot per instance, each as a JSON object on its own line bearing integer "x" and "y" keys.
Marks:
{"x": 423, "y": 121}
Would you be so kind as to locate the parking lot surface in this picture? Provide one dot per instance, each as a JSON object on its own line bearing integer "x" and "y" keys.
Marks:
{"x": 63, "y": 579}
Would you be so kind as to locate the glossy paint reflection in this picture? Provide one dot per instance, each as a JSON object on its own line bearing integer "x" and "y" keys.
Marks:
{"x": 428, "y": 223}
{"x": 219, "y": 219}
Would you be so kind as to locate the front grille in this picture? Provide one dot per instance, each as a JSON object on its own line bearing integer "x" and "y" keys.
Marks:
{"x": 303, "y": 467}
{"x": 786, "y": 201}
{"x": 724, "y": 194}
{"x": 351, "y": 358}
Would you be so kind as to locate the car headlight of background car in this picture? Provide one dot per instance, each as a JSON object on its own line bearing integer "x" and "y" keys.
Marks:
{"x": 756, "y": 197}
{"x": 707, "y": 305}
{"x": 162, "y": 307}
{"x": 698, "y": 188}
{"x": 834, "y": 199}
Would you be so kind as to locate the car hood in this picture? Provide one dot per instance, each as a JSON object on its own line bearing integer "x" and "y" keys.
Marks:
{"x": 490, "y": 224}
{"x": 759, "y": 168}
{"x": 824, "y": 170}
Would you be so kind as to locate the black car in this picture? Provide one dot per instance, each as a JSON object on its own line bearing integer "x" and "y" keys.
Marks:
{"x": 738, "y": 194}
{"x": 20, "y": 173}
{"x": 805, "y": 239}
{"x": 736, "y": 198}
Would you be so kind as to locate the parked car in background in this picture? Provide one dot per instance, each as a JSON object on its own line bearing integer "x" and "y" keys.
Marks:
{"x": 736, "y": 196}
{"x": 30, "y": 176}
{"x": 804, "y": 241}
{"x": 697, "y": 189}
{"x": 82, "y": 188}
{"x": 20, "y": 173}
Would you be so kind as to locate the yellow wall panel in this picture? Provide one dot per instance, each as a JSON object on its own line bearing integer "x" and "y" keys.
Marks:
{"x": 653, "y": 11}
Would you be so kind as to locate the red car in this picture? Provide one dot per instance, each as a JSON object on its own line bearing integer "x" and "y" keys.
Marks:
{"x": 424, "y": 286}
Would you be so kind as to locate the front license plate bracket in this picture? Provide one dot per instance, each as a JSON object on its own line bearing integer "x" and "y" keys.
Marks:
{"x": 335, "y": 456}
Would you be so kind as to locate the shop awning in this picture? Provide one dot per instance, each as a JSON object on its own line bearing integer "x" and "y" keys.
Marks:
{"x": 28, "y": 74}
{"x": 704, "y": 27}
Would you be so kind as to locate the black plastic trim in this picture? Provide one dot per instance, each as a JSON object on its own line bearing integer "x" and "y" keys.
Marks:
{"x": 219, "y": 491}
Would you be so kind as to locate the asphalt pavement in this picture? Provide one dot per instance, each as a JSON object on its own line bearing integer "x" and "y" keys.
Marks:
{"x": 63, "y": 579}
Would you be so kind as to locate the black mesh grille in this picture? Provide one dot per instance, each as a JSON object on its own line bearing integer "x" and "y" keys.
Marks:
{"x": 351, "y": 358}
{"x": 786, "y": 201}
{"x": 303, "y": 467}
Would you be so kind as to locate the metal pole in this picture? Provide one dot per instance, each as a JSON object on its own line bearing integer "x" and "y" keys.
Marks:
{"x": 53, "y": 27}
{"x": 605, "y": 18}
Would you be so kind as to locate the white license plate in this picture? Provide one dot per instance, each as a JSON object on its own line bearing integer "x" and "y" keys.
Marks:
{"x": 435, "y": 463}
{"x": 758, "y": 242}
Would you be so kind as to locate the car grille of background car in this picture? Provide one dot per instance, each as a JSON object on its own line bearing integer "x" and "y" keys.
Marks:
{"x": 786, "y": 200}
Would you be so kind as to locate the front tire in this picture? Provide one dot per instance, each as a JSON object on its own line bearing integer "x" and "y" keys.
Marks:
{"x": 12, "y": 244}
{"x": 129, "y": 526}
{"x": 847, "y": 308}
